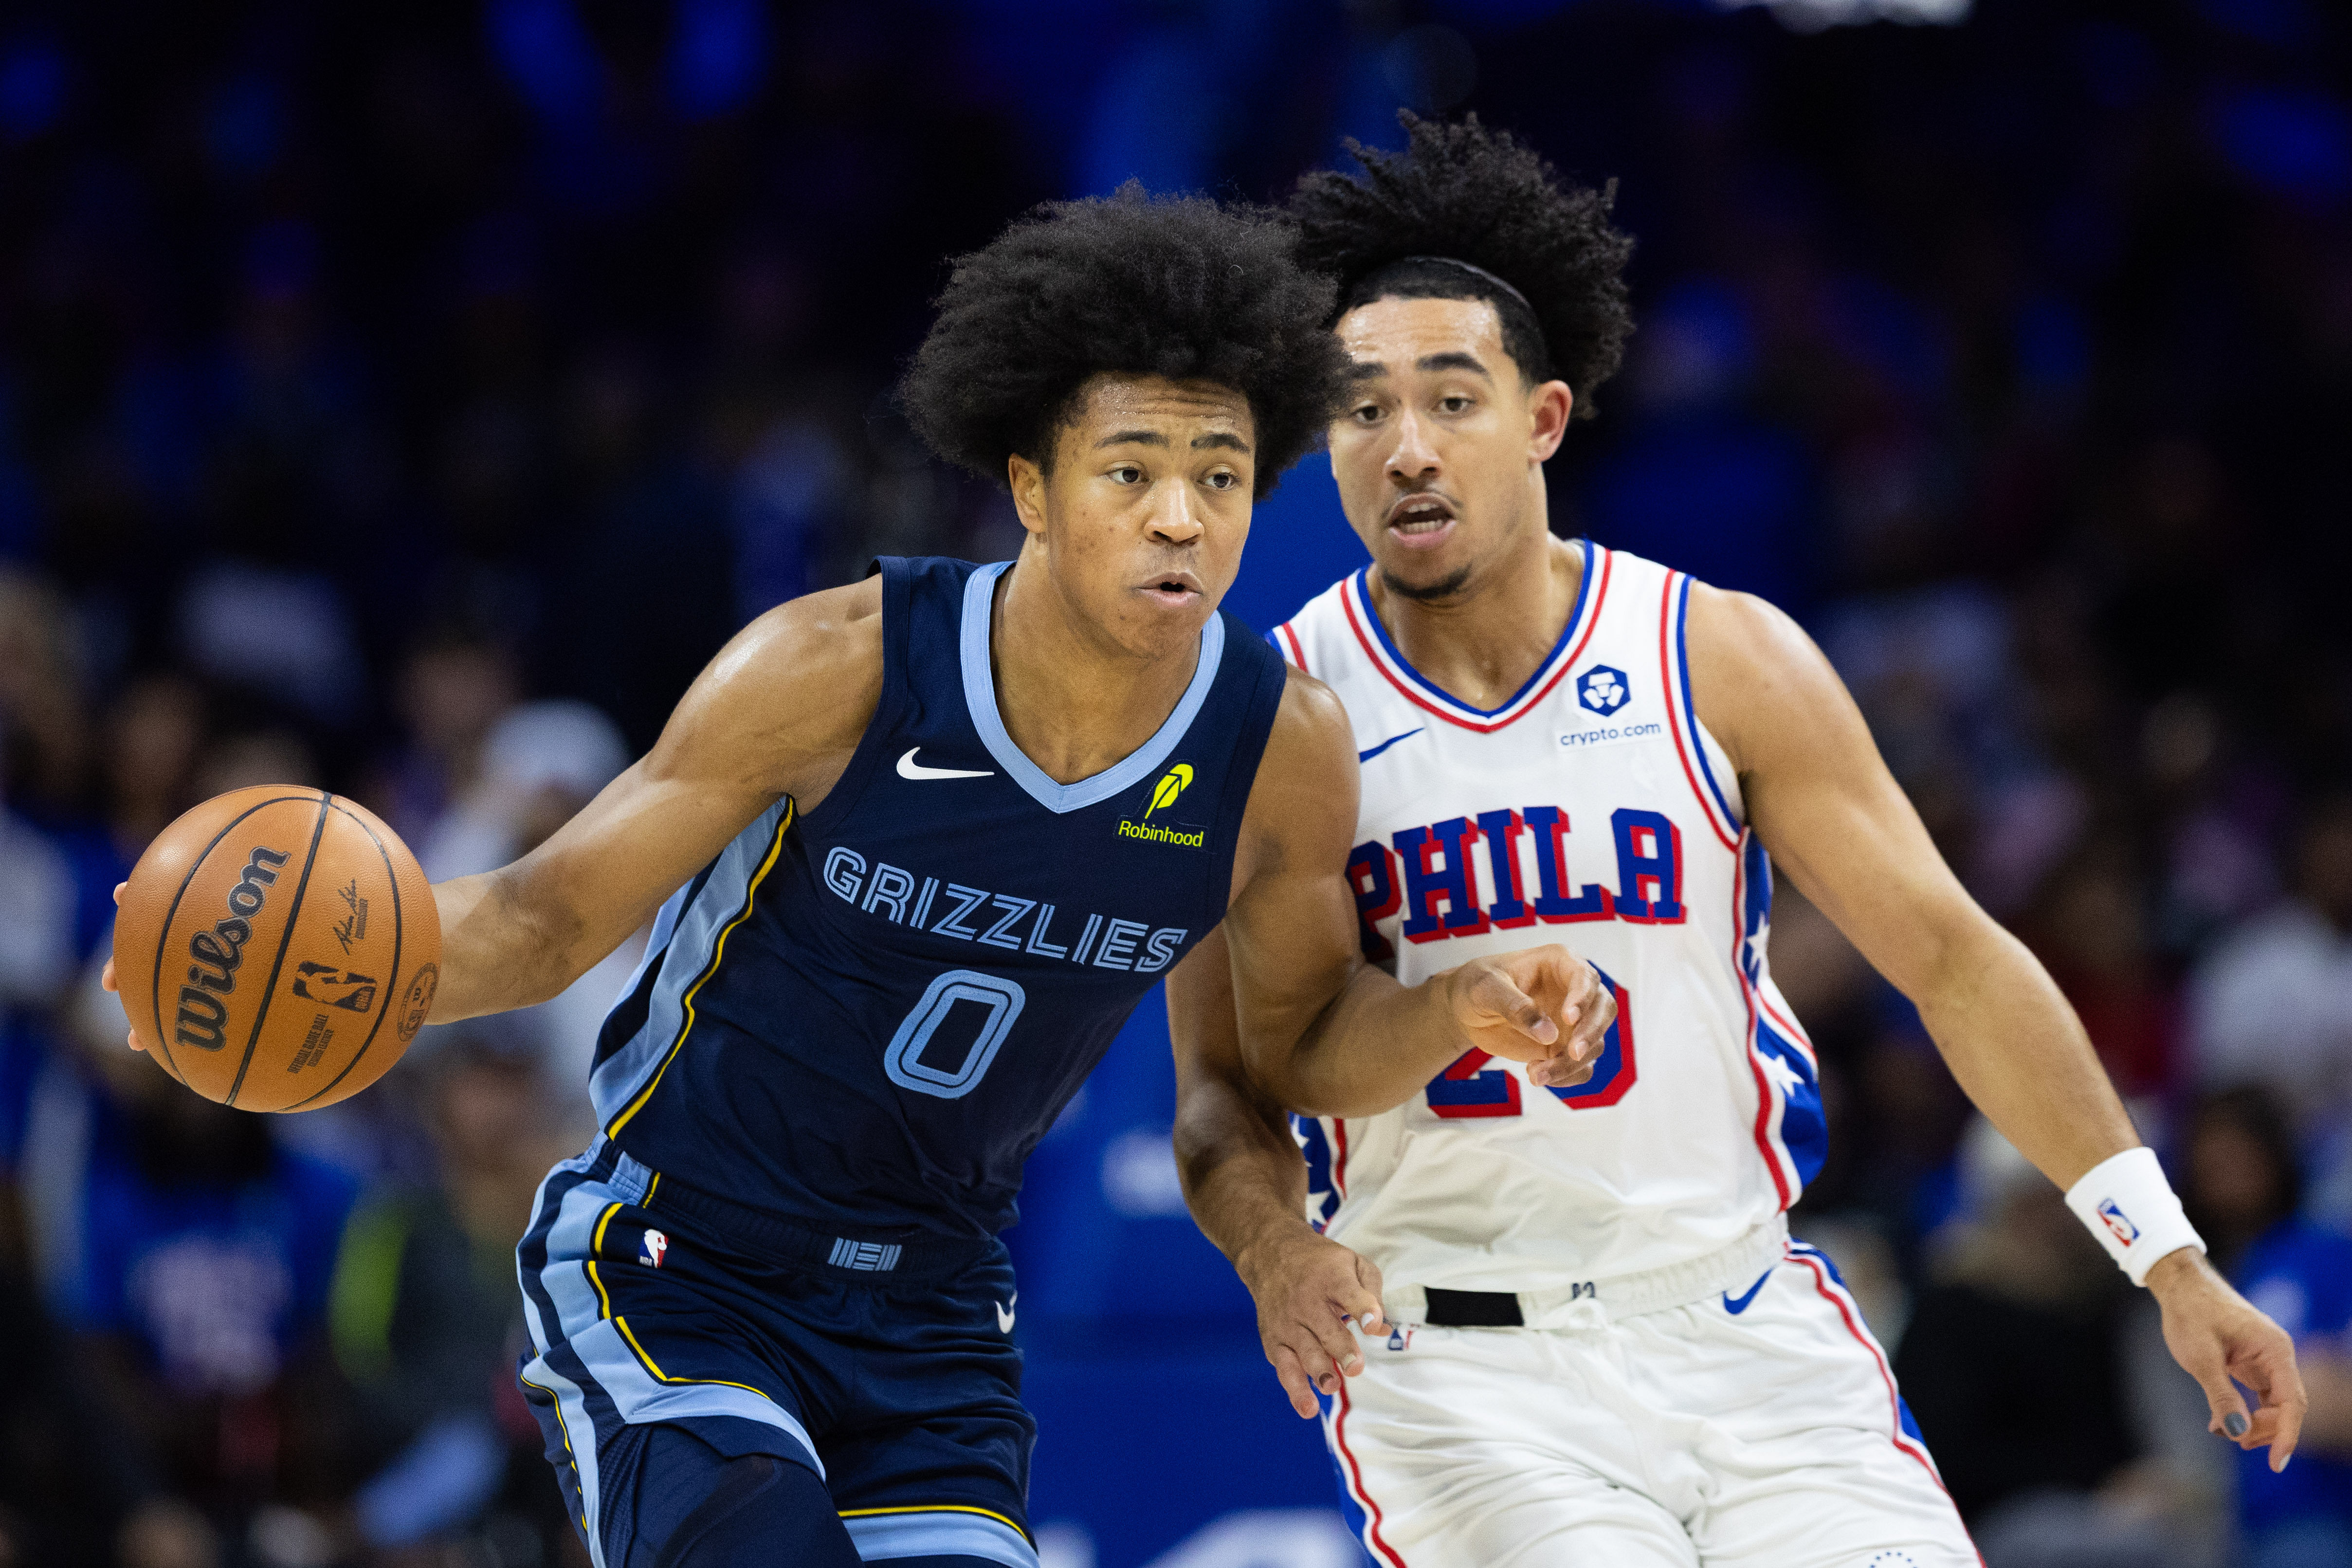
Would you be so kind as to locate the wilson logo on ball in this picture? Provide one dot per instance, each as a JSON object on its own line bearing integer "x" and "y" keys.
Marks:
{"x": 218, "y": 952}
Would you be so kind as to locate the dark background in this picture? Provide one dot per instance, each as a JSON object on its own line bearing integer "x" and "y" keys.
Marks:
{"x": 409, "y": 398}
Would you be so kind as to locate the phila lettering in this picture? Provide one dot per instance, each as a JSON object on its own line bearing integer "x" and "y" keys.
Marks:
{"x": 1469, "y": 875}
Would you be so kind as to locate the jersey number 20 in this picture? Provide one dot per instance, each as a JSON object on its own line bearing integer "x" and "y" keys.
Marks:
{"x": 1471, "y": 1088}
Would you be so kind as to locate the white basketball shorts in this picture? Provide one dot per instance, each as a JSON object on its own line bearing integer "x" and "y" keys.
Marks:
{"x": 1754, "y": 1431}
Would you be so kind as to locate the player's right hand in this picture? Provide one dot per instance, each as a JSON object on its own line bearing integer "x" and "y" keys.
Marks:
{"x": 1308, "y": 1289}
{"x": 1541, "y": 1006}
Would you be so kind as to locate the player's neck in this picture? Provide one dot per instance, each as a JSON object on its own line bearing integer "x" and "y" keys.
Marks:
{"x": 1074, "y": 701}
{"x": 1484, "y": 643}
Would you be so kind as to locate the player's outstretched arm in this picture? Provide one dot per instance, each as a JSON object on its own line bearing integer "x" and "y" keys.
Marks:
{"x": 1834, "y": 820}
{"x": 779, "y": 711}
{"x": 1246, "y": 1185}
{"x": 1321, "y": 1030}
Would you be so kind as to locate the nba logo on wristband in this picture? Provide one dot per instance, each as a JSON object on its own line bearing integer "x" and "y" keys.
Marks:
{"x": 2118, "y": 1222}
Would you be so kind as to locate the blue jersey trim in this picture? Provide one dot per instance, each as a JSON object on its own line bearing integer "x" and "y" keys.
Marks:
{"x": 980, "y": 697}
{"x": 1690, "y": 705}
{"x": 1575, "y": 615}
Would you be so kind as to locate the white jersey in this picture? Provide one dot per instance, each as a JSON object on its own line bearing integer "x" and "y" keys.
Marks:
{"x": 1592, "y": 809}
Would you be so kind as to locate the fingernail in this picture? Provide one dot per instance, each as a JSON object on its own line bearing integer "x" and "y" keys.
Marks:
{"x": 1355, "y": 1365}
{"x": 2234, "y": 1425}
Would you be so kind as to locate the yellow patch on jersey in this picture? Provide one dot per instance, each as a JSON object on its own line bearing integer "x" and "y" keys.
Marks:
{"x": 1172, "y": 784}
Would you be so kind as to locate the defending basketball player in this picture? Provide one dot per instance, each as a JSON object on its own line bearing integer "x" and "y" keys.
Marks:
{"x": 1605, "y": 1347}
{"x": 913, "y": 851}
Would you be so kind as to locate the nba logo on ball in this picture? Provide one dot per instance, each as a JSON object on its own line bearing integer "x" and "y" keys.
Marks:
{"x": 656, "y": 1243}
{"x": 2118, "y": 1222}
{"x": 1602, "y": 689}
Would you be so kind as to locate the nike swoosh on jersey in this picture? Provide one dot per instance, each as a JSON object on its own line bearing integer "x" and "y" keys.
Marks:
{"x": 910, "y": 769}
{"x": 1004, "y": 1313}
{"x": 1384, "y": 745}
{"x": 1737, "y": 1307}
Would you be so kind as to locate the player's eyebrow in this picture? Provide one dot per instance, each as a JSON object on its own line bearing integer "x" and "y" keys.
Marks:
{"x": 1222, "y": 439}
{"x": 1455, "y": 360}
{"x": 1366, "y": 370}
{"x": 1136, "y": 437}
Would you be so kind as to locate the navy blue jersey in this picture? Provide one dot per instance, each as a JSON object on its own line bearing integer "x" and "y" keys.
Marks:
{"x": 863, "y": 1019}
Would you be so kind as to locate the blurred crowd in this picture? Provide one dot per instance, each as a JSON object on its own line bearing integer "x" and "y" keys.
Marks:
{"x": 407, "y": 400}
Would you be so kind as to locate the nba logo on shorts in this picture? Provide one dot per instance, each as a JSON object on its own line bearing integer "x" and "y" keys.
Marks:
{"x": 2125, "y": 1232}
{"x": 656, "y": 1245}
{"x": 1602, "y": 689}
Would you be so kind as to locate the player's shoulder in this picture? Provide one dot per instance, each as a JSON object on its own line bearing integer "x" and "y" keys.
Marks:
{"x": 1742, "y": 623}
{"x": 823, "y": 636}
{"x": 1316, "y": 637}
{"x": 1306, "y": 785}
{"x": 1750, "y": 652}
{"x": 800, "y": 680}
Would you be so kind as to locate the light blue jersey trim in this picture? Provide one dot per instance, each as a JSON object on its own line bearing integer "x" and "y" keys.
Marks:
{"x": 980, "y": 695}
{"x": 638, "y": 1396}
{"x": 685, "y": 937}
{"x": 882, "y": 1537}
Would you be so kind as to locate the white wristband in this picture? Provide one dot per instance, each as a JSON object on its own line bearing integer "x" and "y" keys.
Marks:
{"x": 2129, "y": 1206}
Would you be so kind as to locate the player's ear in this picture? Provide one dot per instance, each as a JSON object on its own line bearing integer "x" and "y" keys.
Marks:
{"x": 1548, "y": 404}
{"x": 1027, "y": 481}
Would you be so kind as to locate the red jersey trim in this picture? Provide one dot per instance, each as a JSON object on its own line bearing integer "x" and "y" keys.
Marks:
{"x": 1706, "y": 807}
{"x": 1567, "y": 661}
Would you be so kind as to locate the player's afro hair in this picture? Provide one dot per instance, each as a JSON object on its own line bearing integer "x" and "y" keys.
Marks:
{"x": 1479, "y": 197}
{"x": 1181, "y": 286}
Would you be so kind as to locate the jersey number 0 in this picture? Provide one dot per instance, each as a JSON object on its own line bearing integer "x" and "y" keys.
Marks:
{"x": 988, "y": 1002}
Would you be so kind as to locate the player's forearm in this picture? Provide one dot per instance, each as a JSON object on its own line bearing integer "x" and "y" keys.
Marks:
{"x": 1371, "y": 1049}
{"x": 1244, "y": 1178}
{"x": 2020, "y": 1054}
{"x": 501, "y": 947}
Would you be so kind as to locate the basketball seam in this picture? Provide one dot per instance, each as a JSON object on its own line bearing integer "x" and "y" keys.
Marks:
{"x": 285, "y": 941}
{"x": 164, "y": 939}
{"x": 385, "y": 1012}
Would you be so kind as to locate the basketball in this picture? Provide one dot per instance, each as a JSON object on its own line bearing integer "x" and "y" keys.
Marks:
{"x": 277, "y": 948}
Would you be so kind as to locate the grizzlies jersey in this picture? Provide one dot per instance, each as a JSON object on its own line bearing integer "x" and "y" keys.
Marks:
{"x": 1591, "y": 809}
{"x": 861, "y": 1019}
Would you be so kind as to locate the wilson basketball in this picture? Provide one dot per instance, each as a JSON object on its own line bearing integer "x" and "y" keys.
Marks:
{"x": 277, "y": 948}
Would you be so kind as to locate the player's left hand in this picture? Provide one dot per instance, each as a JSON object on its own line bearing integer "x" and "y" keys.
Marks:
{"x": 2222, "y": 1340}
{"x": 1309, "y": 1289}
{"x": 1541, "y": 1006}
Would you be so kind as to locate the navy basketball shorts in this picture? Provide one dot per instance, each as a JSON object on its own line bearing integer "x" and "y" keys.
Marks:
{"x": 887, "y": 1370}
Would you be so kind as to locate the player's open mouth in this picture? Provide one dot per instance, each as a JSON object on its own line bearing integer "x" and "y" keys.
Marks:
{"x": 1175, "y": 590}
{"x": 1421, "y": 521}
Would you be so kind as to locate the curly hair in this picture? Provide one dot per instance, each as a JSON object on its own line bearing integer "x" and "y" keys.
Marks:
{"x": 1179, "y": 286}
{"x": 1553, "y": 264}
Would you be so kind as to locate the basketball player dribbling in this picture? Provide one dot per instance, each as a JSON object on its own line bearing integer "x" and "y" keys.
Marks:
{"x": 1604, "y": 1346}
{"x": 912, "y": 851}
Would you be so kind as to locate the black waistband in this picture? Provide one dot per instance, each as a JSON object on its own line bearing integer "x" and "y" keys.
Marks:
{"x": 753, "y": 1230}
{"x": 1473, "y": 1309}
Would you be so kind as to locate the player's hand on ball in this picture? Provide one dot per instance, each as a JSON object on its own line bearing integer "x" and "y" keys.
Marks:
{"x": 1307, "y": 1290}
{"x": 105, "y": 975}
{"x": 1541, "y": 1006}
{"x": 2222, "y": 1340}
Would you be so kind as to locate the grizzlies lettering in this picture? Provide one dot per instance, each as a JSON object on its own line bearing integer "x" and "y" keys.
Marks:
{"x": 218, "y": 952}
